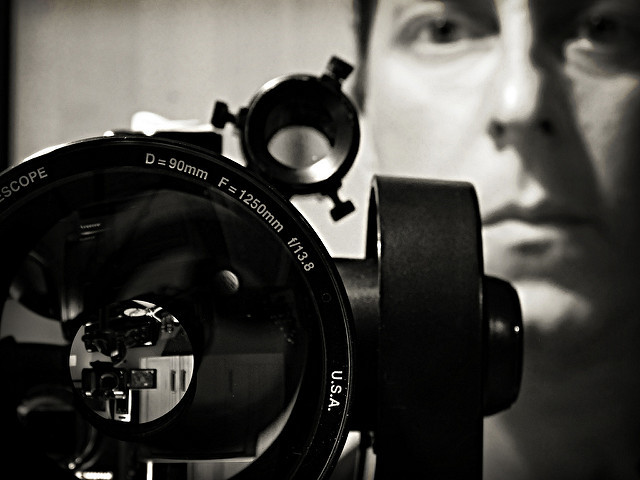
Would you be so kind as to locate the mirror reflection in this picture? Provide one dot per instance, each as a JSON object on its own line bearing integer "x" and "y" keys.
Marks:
{"x": 131, "y": 362}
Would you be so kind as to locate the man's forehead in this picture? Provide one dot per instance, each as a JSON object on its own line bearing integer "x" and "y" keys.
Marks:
{"x": 400, "y": 6}
{"x": 545, "y": 13}
{"x": 496, "y": 4}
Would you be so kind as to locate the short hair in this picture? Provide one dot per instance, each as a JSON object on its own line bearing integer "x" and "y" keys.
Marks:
{"x": 363, "y": 13}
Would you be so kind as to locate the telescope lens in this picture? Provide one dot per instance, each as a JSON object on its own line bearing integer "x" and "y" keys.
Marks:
{"x": 182, "y": 314}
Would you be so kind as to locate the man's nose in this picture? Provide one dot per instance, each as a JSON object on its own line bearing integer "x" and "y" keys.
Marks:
{"x": 520, "y": 87}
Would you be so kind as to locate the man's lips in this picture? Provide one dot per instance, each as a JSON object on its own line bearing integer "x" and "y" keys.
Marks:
{"x": 543, "y": 214}
{"x": 541, "y": 241}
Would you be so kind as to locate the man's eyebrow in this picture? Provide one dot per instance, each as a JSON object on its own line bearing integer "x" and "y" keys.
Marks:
{"x": 477, "y": 6}
{"x": 555, "y": 12}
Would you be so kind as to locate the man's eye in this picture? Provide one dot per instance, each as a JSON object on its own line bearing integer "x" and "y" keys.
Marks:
{"x": 606, "y": 41}
{"x": 445, "y": 35}
{"x": 440, "y": 31}
{"x": 617, "y": 30}
{"x": 434, "y": 30}
{"x": 600, "y": 29}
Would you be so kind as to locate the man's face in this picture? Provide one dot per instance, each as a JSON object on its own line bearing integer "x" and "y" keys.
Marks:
{"x": 537, "y": 103}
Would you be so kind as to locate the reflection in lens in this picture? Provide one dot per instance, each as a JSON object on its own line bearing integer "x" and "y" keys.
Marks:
{"x": 120, "y": 365}
{"x": 163, "y": 308}
{"x": 299, "y": 146}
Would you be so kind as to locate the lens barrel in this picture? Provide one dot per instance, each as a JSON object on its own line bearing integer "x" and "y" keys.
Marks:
{"x": 160, "y": 299}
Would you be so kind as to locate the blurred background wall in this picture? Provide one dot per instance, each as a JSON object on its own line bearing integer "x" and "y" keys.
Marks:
{"x": 81, "y": 67}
